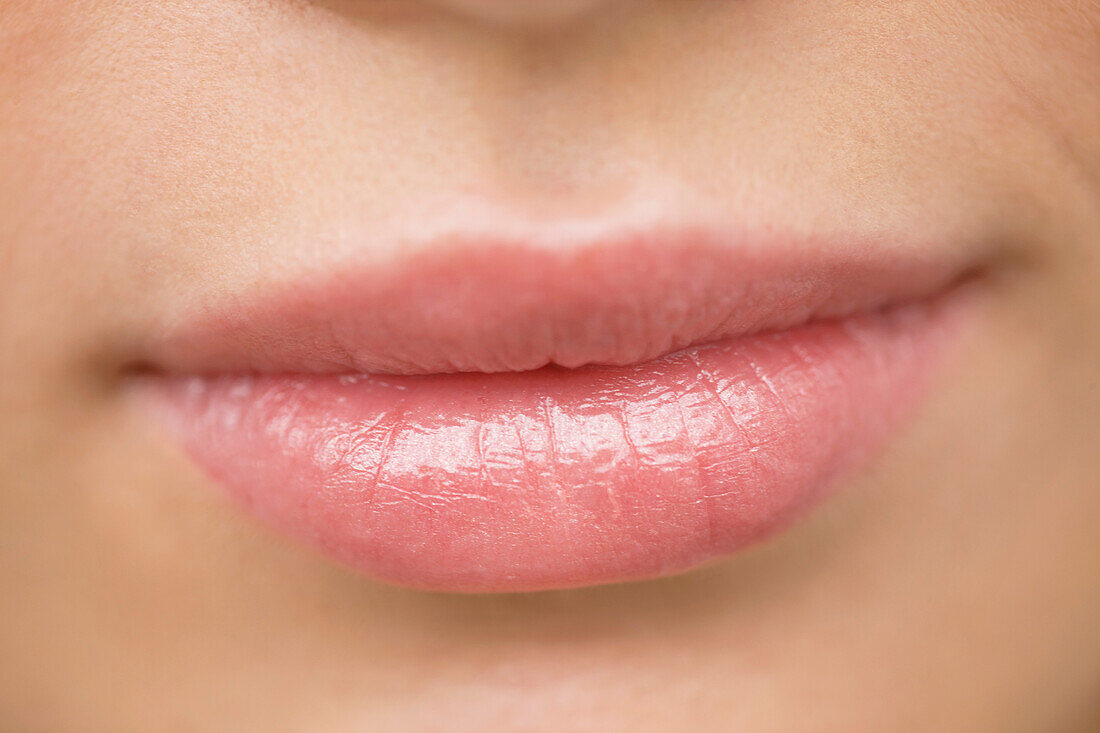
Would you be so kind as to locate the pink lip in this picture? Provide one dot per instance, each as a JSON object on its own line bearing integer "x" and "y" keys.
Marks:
{"x": 659, "y": 400}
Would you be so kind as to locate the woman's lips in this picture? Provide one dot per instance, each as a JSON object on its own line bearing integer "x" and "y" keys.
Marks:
{"x": 500, "y": 417}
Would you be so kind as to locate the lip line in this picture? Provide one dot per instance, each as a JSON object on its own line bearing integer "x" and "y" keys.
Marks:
{"x": 345, "y": 321}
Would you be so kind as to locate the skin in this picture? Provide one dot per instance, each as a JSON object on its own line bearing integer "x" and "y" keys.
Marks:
{"x": 152, "y": 153}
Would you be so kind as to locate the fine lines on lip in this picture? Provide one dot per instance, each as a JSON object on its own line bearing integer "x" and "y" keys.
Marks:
{"x": 489, "y": 417}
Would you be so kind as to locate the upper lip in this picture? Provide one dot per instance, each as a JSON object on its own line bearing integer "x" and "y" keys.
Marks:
{"x": 470, "y": 301}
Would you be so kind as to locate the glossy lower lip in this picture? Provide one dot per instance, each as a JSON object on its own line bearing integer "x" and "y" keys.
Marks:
{"x": 617, "y": 411}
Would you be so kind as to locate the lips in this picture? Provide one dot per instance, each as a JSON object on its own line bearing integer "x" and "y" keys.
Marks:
{"x": 497, "y": 415}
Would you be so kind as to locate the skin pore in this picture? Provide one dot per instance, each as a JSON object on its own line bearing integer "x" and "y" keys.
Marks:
{"x": 156, "y": 155}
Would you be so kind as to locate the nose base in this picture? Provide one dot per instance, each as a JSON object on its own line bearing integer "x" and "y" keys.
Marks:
{"x": 520, "y": 12}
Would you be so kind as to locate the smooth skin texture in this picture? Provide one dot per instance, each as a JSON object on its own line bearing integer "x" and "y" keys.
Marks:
{"x": 153, "y": 153}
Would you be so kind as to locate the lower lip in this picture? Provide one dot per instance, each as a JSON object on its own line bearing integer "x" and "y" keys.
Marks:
{"x": 557, "y": 477}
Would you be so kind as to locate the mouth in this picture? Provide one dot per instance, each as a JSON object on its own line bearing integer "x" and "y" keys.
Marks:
{"x": 501, "y": 415}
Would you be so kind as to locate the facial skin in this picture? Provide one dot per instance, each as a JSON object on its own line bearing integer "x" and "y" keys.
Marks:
{"x": 155, "y": 154}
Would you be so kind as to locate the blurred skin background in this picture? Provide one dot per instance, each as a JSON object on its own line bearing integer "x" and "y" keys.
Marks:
{"x": 149, "y": 151}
